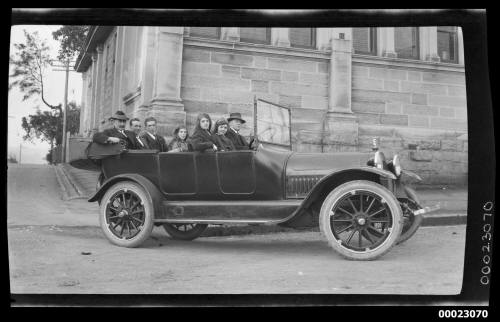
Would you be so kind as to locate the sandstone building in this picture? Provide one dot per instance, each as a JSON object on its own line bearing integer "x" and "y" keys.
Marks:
{"x": 345, "y": 86}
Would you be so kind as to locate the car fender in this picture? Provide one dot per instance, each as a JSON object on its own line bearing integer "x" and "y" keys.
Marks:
{"x": 338, "y": 177}
{"x": 154, "y": 194}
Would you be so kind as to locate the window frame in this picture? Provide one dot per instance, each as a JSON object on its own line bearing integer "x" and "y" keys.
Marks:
{"x": 373, "y": 43}
{"x": 416, "y": 33}
{"x": 450, "y": 34}
{"x": 268, "y": 37}
{"x": 313, "y": 39}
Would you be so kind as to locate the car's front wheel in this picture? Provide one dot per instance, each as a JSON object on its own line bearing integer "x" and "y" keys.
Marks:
{"x": 361, "y": 220}
{"x": 185, "y": 231}
{"x": 126, "y": 214}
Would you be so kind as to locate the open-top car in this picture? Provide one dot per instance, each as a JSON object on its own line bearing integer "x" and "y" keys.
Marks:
{"x": 358, "y": 199}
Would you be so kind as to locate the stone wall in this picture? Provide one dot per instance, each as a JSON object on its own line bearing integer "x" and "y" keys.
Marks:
{"x": 218, "y": 82}
{"x": 420, "y": 113}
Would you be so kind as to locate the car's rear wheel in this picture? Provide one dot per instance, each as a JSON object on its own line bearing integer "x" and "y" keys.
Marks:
{"x": 185, "y": 231}
{"x": 361, "y": 220}
{"x": 126, "y": 214}
{"x": 411, "y": 223}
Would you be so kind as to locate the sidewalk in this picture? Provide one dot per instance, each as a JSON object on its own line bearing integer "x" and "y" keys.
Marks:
{"x": 77, "y": 183}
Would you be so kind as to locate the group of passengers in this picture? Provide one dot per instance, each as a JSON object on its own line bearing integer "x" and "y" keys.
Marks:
{"x": 223, "y": 137}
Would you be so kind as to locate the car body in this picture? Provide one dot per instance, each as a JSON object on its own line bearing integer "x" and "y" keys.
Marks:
{"x": 361, "y": 206}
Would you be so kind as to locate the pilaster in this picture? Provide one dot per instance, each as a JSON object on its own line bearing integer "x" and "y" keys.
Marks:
{"x": 385, "y": 40}
{"x": 428, "y": 44}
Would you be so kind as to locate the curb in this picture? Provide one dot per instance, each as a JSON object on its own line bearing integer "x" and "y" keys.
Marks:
{"x": 69, "y": 189}
{"x": 444, "y": 220}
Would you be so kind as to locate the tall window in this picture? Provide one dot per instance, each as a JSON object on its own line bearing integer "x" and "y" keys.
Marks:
{"x": 303, "y": 37}
{"x": 205, "y": 32}
{"x": 447, "y": 44}
{"x": 255, "y": 35}
{"x": 406, "y": 42}
{"x": 364, "y": 40}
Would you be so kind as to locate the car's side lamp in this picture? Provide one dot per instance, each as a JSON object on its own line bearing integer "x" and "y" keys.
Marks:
{"x": 379, "y": 160}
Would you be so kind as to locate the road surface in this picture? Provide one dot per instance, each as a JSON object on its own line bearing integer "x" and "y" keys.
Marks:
{"x": 56, "y": 246}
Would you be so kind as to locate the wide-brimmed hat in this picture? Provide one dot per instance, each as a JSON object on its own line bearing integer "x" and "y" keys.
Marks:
{"x": 119, "y": 115}
{"x": 235, "y": 116}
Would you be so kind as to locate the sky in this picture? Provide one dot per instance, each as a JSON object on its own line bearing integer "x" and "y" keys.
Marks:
{"x": 35, "y": 152}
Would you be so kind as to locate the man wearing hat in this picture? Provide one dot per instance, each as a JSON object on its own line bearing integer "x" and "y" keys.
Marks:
{"x": 235, "y": 121}
{"x": 117, "y": 133}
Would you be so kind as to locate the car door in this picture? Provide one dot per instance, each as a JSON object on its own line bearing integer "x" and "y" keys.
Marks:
{"x": 236, "y": 172}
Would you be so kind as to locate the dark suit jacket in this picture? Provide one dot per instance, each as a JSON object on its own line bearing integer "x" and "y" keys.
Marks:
{"x": 240, "y": 143}
{"x": 202, "y": 140}
{"x": 223, "y": 143}
{"x": 139, "y": 146}
{"x": 158, "y": 144}
{"x": 129, "y": 138}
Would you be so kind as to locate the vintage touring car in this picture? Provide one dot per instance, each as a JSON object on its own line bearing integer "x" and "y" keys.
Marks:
{"x": 362, "y": 207}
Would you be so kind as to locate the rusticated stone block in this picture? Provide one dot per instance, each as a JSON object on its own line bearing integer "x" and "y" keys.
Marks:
{"x": 315, "y": 102}
{"x": 260, "y": 74}
{"x": 447, "y": 111}
{"x": 290, "y": 101}
{"x": 290, "y": 76}
{"x": 420, "y": 99}
{"x": 231, "y": 71}
{"x": 215, "y": 82}
{"x": 393, "y": 108}
{"x": 394, "y": 119}
{"x": 387, "y": 73}
{"x": 448, "y": 123}
{"x": 367, "y": 107}
{"x": 321, "y": 79}
{"x": 443, "y": 77}
{"x": 360, "y": 71}
{"x": 190, "y": 93}
{"x": 414, "y": 76}
{"x": 422, "y": 110}
{"x": 367, "y": 83}
{"x": 391, "y": 85}
{"x": 421, "y": 156}
{"x": 292, "y": 89}
{"x": 232, "y": 59}
{"x": 323, "y": 68}
{"x": 260, "y": 86}
{"x": 196, "y": 55}
{"x": 205, "y": 107}
{"x": 260, "y": 61}
{"x": 451, "y": 145}
{"x": 414, "y": 87}
{"x": 456, "y": 90}
{"x": 368, "y": 118}
{"x": 292, "y": 64}
{"x": 380, "y": 96}
{"x": 200, "y": 68}
{"x": 447, "y": 100}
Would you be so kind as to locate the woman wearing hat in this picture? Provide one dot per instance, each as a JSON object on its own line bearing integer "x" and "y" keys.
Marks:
{"x": 202, "y": 140}
{"x": 179, "y": 142}
{"x": 235, "y": 122}
{"x": 222, "y": 142}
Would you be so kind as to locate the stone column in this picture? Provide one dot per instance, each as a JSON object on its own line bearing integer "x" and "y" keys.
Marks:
{"x": 116, "y": 103}
{"x": 280, "y": 37}
{"x": 230, "y": 33}
{"x": 99, "y": 109}
{"x": 385, "y": 41}
{"x": 164, "y": 66}
{"x": 428, "y": 44}
{"x": 460, "y": 46}
{"x": 341, "y": 126}
{"x": 93, "y": 109}
{"x": 83, "y": 109}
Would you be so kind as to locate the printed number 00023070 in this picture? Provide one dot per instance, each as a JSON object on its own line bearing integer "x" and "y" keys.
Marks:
{"x": 463, "y": 313}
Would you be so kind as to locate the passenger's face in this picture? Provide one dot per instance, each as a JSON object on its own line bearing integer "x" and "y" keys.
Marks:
{"x": 136, "y": 127}
{"x": 222, "y": 129}
{"x": 204, "y": 123}
{"x": 119, "y": 124}
{"x": 235, "y": 124}
{"x": 182, "y": 134}
{"x": 151, "y": 127}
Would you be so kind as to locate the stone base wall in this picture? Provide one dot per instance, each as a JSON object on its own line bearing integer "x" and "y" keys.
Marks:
{"x": 419, "y": 113}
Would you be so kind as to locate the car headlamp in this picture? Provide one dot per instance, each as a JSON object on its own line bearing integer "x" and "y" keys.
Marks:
{"x": 396, "y": 163}
{"x": 379, "y": 160}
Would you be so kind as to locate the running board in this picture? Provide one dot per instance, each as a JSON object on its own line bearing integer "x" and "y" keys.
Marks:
{"x": 220, "y": 212}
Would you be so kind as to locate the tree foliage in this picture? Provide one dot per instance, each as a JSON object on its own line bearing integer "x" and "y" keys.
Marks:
{"x": 47, "y": 125}
{"x": 72, "y": 39}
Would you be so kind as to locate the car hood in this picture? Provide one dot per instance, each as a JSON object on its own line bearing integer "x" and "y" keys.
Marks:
{"x": 320, "y": 164}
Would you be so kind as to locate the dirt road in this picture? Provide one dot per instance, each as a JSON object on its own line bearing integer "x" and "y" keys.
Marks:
{"x": 56, "y": 246}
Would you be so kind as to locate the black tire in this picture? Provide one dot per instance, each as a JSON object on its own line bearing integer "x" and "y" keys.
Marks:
{"x": 411, "y": 223}
{"x": 380, "y": 223}
{"x": 126, "y": 207}
{"x": 185, "y": 231}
